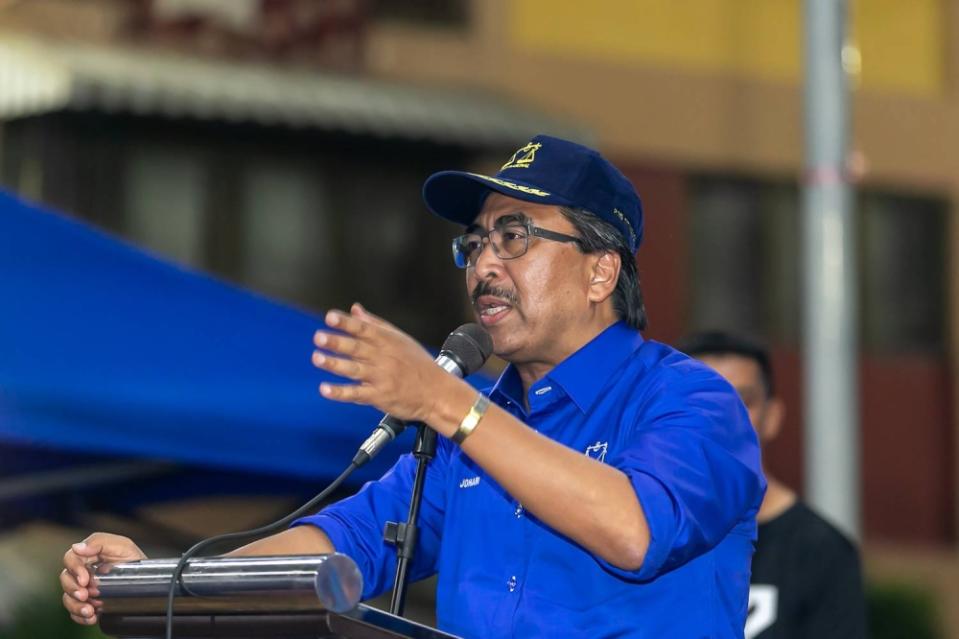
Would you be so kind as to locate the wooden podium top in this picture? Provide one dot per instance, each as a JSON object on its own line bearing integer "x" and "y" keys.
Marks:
{"x": 363, "y": 622}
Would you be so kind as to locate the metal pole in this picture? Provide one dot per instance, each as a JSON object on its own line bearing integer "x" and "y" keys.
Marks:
{"x": 405, "y": 536}
{"x": 829, "y": 308}
{"x": 264, "y": 584}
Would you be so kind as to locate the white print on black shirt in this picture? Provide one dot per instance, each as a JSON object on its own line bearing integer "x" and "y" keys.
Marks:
{"x": 763, "y": 602}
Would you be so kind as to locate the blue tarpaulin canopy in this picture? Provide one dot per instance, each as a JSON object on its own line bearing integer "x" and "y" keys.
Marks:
{"x": 107, "y": 349}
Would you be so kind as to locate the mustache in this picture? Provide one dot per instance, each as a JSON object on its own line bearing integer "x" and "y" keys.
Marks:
{"x": 485, "y": 288}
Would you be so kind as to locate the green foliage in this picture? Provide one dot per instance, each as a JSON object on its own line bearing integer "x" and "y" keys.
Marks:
{"x": 902, "y": 611}
{"x": 42, "y": 617}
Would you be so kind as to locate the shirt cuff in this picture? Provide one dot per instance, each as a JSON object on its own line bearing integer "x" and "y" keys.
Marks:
{"x": 339, "y": 535}
{"x": 660, "y": 512}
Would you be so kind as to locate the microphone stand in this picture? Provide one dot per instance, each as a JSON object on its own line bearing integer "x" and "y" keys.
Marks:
{"x": 404, "y": 536}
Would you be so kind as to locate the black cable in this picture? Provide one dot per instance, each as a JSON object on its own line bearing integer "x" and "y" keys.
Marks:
{"x": 177, "y": 577}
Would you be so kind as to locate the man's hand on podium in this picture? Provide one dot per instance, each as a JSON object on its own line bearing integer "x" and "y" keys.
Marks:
{"x": 77, "y": 578}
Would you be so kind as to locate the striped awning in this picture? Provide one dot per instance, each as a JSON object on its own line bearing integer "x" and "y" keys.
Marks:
{"x": 39, "y": 76}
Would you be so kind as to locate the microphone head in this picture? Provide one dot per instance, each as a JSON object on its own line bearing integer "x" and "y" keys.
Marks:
{"x": 469, "y": 346}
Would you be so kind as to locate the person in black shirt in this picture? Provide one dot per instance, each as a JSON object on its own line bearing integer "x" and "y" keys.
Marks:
{"x": 806, "y": 579}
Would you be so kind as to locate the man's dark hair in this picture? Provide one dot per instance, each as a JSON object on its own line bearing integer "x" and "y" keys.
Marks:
{"x": 725, "y": 343}
{"x": 596, "y": 234}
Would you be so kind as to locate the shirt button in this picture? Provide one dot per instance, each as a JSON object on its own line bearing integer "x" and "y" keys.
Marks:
{"x": 519, "y": 511}
{"x": 511, "y": 584}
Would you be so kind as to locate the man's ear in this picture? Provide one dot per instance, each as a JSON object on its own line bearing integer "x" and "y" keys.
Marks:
{"x": 772, "y": 420}
{"x": 604, "y": 274}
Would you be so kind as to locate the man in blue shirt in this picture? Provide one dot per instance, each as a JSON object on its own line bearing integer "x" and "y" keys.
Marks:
{"x": 605, "y": 486}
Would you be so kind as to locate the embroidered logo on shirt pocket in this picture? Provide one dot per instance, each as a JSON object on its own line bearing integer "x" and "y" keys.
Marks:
{"x": 597, "y": 451}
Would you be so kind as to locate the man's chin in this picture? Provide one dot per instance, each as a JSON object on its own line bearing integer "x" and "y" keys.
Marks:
{"x": 504, "y": 330}
{"x": 506, "y": 346}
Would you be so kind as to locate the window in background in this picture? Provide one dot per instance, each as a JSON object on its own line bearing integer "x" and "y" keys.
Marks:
{"x": 324, "y": 234}
{"x": 745, "y": 238}
{"x": 781, "y": 255}
{"x": 441, "y": 13}
{"x": 396, "y": 254}
{"x": 165, "y": 192}
{"x": 743, "y": 257}
{"x": 286, "y": 244}
{"x": 903, "y": 267}
{"x": 725, "y": 256}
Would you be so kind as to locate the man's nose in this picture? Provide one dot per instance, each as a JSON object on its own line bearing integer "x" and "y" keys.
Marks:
{"x": 487, "y": 263}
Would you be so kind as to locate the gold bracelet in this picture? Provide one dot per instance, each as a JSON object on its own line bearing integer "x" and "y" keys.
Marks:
{"x": 472, "y": 419}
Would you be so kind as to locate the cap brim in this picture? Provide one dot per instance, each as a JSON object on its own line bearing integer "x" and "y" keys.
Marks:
{"x": 458, "y": 196}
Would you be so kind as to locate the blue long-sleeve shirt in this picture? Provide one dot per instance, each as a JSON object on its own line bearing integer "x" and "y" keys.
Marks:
{"x": 672, "y": 425}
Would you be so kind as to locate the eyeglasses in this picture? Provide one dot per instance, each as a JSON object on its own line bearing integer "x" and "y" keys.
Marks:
{"x": 509, "y": 241}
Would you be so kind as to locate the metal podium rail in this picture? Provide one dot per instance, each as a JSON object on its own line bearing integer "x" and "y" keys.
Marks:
{"x": 288, "y": 597}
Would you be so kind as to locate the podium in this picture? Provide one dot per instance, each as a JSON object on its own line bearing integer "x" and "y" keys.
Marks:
{"x": 283, "y": 597}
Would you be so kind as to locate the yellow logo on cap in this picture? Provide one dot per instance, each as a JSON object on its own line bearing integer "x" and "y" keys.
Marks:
{"x": 512, "y": 185}
{"x": 523, "y": 158}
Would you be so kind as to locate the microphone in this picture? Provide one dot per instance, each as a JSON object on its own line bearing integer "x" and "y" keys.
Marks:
{"x": 463, "y": 353}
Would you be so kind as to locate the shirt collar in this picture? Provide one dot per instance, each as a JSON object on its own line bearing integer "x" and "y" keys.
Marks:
{"x": 584, "y": 374}
{"x": 510, "y": 386}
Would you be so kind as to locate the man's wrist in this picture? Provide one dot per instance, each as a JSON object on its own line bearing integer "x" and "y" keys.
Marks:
{"x": 451, "y": 405}
{"x": 472, "y": 419}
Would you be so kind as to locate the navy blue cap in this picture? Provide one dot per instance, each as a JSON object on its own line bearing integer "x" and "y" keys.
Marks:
{"x": 547, "y": 170}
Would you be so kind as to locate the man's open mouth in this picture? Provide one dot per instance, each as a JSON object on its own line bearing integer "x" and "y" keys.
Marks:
{"x": 491, "y": 309}
{"x": 494, "y": 309}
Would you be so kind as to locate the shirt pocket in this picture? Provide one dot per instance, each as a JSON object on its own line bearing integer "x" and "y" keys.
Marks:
{"x": 565, "y": 575}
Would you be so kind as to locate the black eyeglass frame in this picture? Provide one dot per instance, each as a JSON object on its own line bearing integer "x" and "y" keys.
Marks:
{"x": 531, "y": 231}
